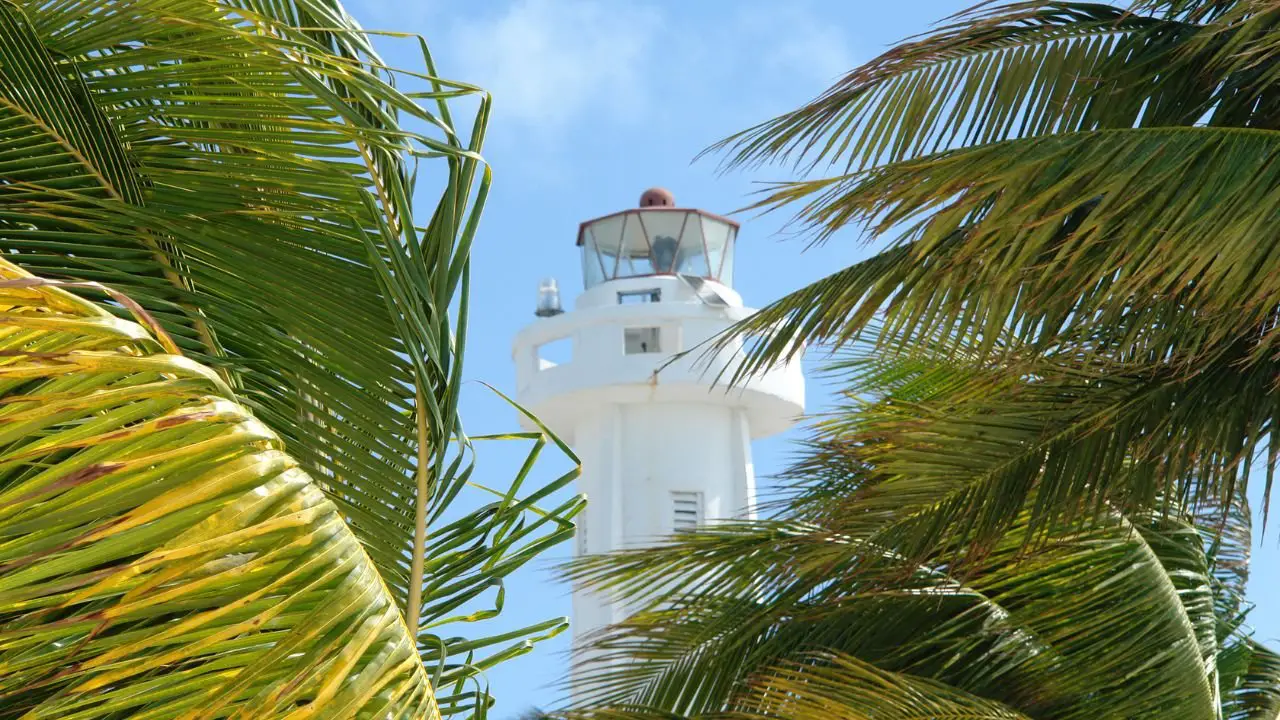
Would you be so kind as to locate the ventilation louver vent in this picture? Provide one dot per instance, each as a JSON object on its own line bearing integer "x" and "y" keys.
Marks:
{"x": 686, "y": 511}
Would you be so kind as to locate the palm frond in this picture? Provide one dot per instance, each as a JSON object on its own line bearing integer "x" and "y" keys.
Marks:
{"x": 258, "y": 240}
{"x": 160, "y": 555}
{"x": 1024, "y": 234}
{"x": 841, "y": 687}
{"x": 1202, "y": 11}
{"x": 1228, "y": 536}
{"x": 1006, "y": 628}
{"x": 1066, "y": 373}
{"x": 828, "y": 686}
{"x": 1251, "y": 683}
{"x": 993, "y": 73}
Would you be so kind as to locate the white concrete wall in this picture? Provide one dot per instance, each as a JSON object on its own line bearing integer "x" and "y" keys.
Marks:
{"x": 600, "y": 525}
{"x": 634, "y": 457}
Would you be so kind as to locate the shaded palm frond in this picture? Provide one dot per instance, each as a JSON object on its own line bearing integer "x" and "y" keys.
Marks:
{"x": 1250, "y": 680}
{"x": 1006, "y": 628}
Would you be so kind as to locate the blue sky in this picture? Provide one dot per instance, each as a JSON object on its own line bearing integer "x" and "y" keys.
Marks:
{"x": 594, "y": 101}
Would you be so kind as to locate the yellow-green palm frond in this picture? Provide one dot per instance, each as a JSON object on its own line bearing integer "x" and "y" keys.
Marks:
{"x": 247, "y": 184}
{"x": 161, "y": 555}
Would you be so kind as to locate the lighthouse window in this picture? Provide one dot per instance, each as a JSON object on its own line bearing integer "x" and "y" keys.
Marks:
{"x": 637, "y": 341}
{"x": 631, "y": 297}
{"x": 686, "y": 511}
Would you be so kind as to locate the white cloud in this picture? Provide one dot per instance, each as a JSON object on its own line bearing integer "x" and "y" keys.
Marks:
{"x": 548, "y": 62}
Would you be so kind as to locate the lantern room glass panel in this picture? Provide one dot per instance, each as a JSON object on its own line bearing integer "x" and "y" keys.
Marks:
{"x": 634, "y": 253}
{"x": 657, "y": 241}
{"x": 663, "y": 228}
{"x": 593, "y": 272}
{"x": 725, "y": 275}
{"x": 718, "y": 236}
{"x": 693, "y": 251}
{"x": 606, "y": 233}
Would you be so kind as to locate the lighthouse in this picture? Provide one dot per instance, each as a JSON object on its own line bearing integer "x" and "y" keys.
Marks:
{"x": 665, "y": 447}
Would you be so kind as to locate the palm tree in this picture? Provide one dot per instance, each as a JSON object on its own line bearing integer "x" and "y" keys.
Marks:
{"x": 1060, "y": 376}
{"x": 227, "y": 186}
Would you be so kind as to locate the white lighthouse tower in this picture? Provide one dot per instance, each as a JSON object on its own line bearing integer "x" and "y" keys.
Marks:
{"x": 663, "y": 448}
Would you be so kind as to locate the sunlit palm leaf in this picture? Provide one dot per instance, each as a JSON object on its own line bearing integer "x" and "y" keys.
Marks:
{"x": 257, "y": 235}
{"x": 160, "y": 555}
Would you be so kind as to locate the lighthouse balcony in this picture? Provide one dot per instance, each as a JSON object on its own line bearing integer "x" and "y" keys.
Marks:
{"x": 647, "y": 353}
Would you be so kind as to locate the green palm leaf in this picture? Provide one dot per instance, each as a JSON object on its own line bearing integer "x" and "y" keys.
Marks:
{"x": 1024, "y": 233}
{"x": 1121, "y": 228}
{"x": 1251, "y": 683}
{"x": 244, "y": 170}
{"x": 994, "y": 73}
{"x": 833, "y": 686}
{"x": 1085, "y": 625}
{"x": 1145, "y": 317}
{"x": 974, "y": 444}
